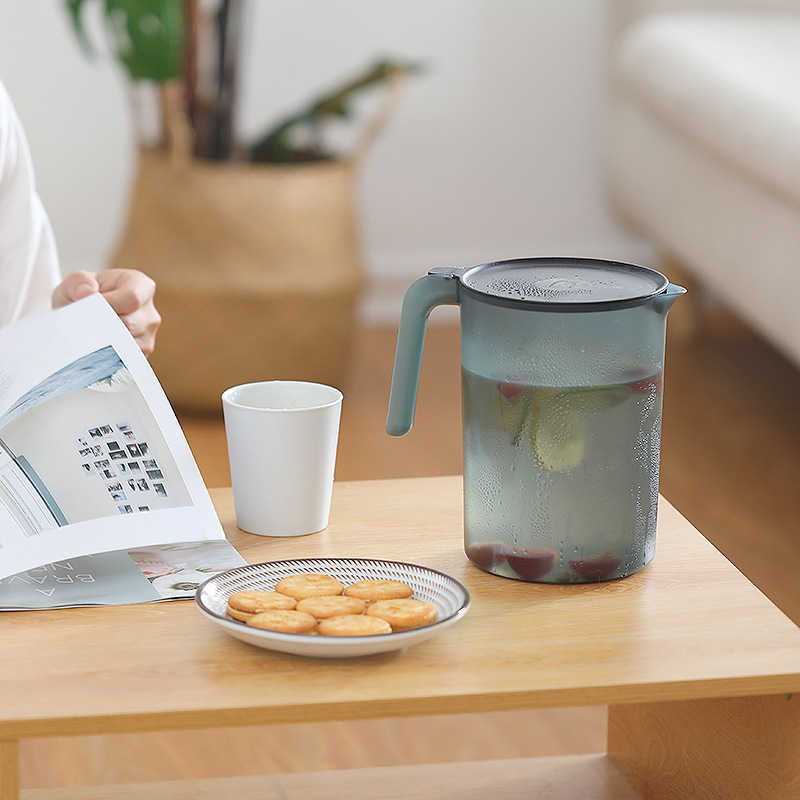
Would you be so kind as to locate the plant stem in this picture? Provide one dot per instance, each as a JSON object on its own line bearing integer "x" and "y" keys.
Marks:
{"x": 229, "y": 26}
{"x": 212, "y": 44}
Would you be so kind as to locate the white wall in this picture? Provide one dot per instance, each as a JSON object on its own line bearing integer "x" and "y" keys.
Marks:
{"x": 492, "y": 154}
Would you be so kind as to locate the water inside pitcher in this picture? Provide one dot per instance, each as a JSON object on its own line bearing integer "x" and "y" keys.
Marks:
{"x": 562, "y": 365}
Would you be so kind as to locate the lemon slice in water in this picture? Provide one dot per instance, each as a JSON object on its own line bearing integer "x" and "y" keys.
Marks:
{"x": 558, "y": 433}
{"x": 558, "y": 439}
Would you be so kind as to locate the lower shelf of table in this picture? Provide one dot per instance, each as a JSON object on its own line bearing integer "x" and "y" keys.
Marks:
{"x": 592, "y": 777}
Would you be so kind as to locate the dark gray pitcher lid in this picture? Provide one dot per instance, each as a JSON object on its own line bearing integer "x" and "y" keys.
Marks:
{"x": 564, "y": 283}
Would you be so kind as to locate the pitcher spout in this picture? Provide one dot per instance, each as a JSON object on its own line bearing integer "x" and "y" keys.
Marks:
{"x": 663, "y": 302}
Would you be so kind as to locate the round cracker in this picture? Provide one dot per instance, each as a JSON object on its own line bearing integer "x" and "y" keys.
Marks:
{"x": 403, "y": 613}
{"x": 251, "y": 601}
{"x": 309, "y": 585}
{"x": 353, "y": 625}
{"x": 283, "y": 621}
{"x": 371, "y": 590}
{"x": 331, "y": 606}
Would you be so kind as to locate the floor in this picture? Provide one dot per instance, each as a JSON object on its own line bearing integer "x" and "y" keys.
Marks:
{"x": 730, "y": 463}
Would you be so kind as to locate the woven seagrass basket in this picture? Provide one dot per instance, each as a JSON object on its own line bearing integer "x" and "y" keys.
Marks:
{"x": 257, "y": 266}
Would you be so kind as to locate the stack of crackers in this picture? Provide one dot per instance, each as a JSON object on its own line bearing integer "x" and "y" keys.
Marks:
{"x": 313, "y": 603}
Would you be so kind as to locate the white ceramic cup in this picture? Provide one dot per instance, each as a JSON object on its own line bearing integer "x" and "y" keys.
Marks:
{"x": 282, "y": 439}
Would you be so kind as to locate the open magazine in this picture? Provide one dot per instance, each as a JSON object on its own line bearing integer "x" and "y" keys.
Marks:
{"x": 101, "y": 501}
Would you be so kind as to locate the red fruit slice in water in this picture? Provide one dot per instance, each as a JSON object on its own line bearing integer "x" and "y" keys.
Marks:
{"x": 531, "y": 563}
{"x": 597, "y": 568}
{"x": 486, "y": 555}
{"x": 653, "y": 383}
{"x": 511, "y": 391}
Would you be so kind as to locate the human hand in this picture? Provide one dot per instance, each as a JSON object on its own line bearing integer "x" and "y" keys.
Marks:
{"x": 128, "y": 291}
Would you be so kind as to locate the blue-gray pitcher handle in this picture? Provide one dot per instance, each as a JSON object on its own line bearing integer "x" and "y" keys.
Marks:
{"x": 438, "y": 287}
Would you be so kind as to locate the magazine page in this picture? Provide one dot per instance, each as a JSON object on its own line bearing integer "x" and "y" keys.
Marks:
{"x": 92, "y": 458}
{"x": 146, "y": 575}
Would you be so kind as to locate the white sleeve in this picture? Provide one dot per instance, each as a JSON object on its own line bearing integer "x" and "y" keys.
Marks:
{"x": 29, "y": 269}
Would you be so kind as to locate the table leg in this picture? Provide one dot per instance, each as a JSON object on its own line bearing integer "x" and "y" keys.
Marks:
{"x": 9, "y": 769}
{"x": 741, "y": 748}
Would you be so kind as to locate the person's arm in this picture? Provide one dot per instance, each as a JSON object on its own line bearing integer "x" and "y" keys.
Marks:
{"x": 30, "y": 275}
{"x": 29, "y": 269}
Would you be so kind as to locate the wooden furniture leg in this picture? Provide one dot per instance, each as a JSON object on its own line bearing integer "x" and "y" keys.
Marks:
{"x": 9, "y": 769}
{"x": 742, "y": 748}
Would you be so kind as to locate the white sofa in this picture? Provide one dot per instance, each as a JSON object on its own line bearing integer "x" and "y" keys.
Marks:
{"x": 702, "y": 147}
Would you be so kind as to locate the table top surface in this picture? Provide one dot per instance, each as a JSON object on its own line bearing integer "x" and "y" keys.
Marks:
{"x": 689, "y": 625}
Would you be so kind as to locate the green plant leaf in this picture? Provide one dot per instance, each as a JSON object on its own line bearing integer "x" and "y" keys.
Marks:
{"x": 146, "y": 36}
{"x": 74, "y": 7}
{"x": 278, "y": 144}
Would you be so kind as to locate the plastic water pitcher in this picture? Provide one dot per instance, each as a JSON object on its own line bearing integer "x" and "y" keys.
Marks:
{"x": 562, "y": 362}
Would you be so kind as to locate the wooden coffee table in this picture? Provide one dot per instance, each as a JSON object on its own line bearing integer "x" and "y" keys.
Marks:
{"x": 697, "y": 666}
